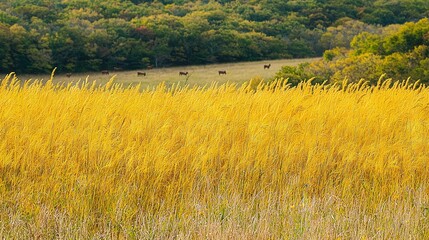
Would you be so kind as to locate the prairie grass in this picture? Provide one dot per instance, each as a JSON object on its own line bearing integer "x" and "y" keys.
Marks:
{"x": 199, "y": 75}
{"x": 82, "y": 161}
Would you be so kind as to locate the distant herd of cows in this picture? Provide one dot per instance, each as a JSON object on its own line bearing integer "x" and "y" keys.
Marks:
{"x": 106, "y": 72}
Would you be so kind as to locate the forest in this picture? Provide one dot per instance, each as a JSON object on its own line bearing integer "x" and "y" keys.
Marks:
{"x": 80, "y": 35}
{"x": 397, "y": 51}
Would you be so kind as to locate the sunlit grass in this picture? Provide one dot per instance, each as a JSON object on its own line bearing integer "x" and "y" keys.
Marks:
{"x": 199, "y": 75}
{"x": 224, "y": 162}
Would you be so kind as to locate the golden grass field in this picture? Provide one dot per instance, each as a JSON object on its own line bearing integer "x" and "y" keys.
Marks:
{"x": 198, "y": 75}
{"x": 223, "y": 162}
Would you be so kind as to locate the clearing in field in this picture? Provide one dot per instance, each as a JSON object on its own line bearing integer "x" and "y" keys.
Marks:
{"x": 266, "y": 162}
{"x": 197, "y": 75}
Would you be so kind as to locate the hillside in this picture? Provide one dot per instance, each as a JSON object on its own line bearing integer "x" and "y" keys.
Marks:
{"x": 80, "y": 36}
{"x": 398, "y": 51}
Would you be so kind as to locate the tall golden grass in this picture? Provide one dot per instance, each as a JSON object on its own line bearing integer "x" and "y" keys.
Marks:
{"x": 262, "y": 161}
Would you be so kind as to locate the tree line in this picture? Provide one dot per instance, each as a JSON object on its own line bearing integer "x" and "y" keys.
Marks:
{"x": 397, "y": 51}
{"x": 80, "y": 35}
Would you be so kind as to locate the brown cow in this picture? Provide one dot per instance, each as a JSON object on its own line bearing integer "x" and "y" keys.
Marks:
{"x": 222, "y": 72}
{"x": 68, "y": 75}
{"x": 183, "y": 73}
{"x": 141, "y": 74}
{"x": 105, "y": 72}
{"x": 267, "y": 66}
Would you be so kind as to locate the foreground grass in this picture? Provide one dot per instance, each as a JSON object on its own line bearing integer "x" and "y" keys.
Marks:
{"x": 310, "y": 162}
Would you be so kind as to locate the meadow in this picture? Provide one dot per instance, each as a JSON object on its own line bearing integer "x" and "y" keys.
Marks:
{"x": 199, "y": 75}
{"x": 228, "y": 161}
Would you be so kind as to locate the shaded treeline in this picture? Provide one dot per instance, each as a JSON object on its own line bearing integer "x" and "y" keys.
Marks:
{"x": 77, "y": 35}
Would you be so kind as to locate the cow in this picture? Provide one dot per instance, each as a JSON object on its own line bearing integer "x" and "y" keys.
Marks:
{"x": 183, "y": 73}
{"x": 141, "y": 74}
{"x": 105, "y": 72}
{"x": 68, "y": 75}
{"x": 222, "y": 72}
{"x": 267, "y": 66}
{"x": 117, "y": 69}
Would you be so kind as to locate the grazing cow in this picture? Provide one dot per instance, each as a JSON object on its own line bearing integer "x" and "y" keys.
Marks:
{"x": 183, "y": 73}
{"x": 68, "y": 75}
{"x": 105, "y": 72}
{"x": 267, "y": 66}
{"x": 149, "y": 67}
{"x": 222, "y": 72}
{"x": 141, "y": 74}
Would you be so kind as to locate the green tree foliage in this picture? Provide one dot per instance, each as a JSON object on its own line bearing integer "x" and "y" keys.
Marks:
{"x": 400, "y": 52}
{"x": 294, "y": 75}
{"x": 344, "y": 31}
{"x": 387, "y": 12}
{"x": 81, "y": 35}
